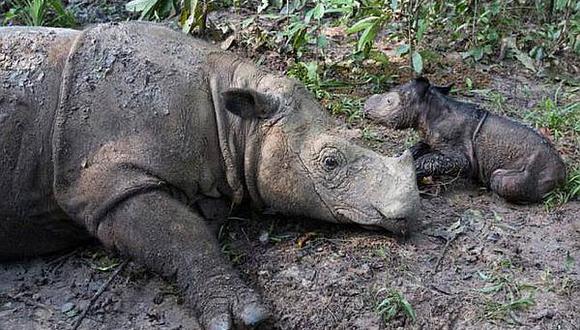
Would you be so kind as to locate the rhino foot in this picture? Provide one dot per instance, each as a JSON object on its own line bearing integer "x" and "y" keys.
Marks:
{"x": 245, "y": 311}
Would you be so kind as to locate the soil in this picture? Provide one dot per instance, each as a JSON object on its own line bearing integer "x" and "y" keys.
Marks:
{"x": 474, "y": 262}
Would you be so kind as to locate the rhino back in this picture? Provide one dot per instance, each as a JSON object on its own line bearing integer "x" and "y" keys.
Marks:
{"x": 505, "y": 143}
{"x": 31, "y": 65}
{"x": 136, "y": 114}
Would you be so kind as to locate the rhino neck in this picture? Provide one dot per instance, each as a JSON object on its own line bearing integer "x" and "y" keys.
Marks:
{"x": 240, "y": 139}
{"x": 426, "y": 112}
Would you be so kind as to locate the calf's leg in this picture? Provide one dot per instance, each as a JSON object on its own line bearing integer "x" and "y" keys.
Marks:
{"x": 420, "y": 149}
{"x": 441, "y": 163}
{"x": 516, "y": 186}
{"x": 170, "y": 238}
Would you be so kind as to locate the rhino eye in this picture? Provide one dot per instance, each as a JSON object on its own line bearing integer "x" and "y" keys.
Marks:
{"x": 330, "y": 163}
{"x": 391, "y": 100}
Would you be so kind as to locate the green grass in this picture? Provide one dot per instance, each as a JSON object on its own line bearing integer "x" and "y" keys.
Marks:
{"x": 370, "y": 135}
{"x": 349, "y": 107}
{"x": 309, "y": 73}
{"x": 501, "y": 310}
{"x": 392, "y": 304}
{"x": 563, "y": 284}
{"x": 503, "y": 294}
{"x": 101, "y": 260}
{"x": 563, "y": 194}
{"x": 39, "y": 13}
{"x": 559, "y": 119}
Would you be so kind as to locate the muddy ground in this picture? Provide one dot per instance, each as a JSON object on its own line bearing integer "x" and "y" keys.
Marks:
{"x": 475, "y": 262}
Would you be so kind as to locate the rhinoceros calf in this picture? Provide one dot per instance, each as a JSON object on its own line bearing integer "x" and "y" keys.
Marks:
{"x": 120, "y": 131}
{"x": 511, "y": 159}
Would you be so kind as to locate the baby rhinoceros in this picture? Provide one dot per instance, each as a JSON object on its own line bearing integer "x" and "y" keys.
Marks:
{"x": 124, "y": 132}
{"x": 460, "y": 138}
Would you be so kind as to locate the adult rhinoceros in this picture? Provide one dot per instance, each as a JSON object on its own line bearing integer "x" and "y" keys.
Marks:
{"x": 119, "y": 131}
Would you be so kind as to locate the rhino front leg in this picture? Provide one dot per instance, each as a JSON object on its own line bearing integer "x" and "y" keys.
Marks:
{"x": 170, "y": 238}
{"x": 420, "y": 149}
{"x": 441, "y": 163}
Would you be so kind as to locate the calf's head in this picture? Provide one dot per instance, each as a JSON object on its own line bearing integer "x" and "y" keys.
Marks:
{"x": 400, "y": 107}
{"x": 307, "y": 168}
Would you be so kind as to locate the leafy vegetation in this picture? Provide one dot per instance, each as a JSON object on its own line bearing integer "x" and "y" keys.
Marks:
{"x": 558, "y": 119}
{"x": 191, "y": 14}
{"x": 530, "y": 31}
{"x": 569, "y": 191}
{"x": 394, "y": 303}
{"x": 38, "y": 13}
{"x": 504, "y": 294}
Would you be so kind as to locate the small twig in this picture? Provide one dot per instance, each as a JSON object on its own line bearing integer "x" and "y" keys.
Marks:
{"x": 474, "y": 25}
{"x": 437, "y": 289}
{"x": 29, "y": 301}
{"x": 57, "y": 262}
{"x": 326, "y": 306}
{"x": 102, "y": 289}
{"x": 445, "y": 248}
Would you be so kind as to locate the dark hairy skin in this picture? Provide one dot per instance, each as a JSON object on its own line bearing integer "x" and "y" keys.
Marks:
{"x": 459, "y": 138}
{"x": 128, "y": 132}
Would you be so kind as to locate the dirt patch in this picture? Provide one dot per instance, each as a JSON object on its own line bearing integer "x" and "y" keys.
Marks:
{"x": 320, "y": 276}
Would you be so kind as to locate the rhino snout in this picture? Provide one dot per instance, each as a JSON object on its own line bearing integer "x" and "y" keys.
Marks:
{"x": 400, "y": 217}
{"x": 399, "y": 207}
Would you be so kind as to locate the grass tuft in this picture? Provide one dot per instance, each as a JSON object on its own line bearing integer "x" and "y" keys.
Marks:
{"x": 394, "y": 303}
{"x": 565, "y": 193}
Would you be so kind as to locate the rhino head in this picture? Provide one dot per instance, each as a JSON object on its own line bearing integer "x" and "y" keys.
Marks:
{"x": 400, "y": 107}
{"x": 297, "y": 162}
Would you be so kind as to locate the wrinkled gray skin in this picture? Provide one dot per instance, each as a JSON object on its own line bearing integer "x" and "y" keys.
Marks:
{"x": 124, "y": 132}
{"x": 511, "y": 159}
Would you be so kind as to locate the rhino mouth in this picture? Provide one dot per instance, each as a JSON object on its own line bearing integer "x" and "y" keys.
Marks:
{"x": 376, "y": 222}
{"x": 399, "y": 226}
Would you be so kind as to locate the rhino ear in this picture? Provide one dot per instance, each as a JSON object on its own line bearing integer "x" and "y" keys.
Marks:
{"x": 248, "y": 103}
{"x": 443, "y": 89}
{"x": 422, "y": 85}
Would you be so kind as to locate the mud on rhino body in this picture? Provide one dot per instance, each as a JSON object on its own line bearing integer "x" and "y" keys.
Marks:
{"x": 120, "y": 132}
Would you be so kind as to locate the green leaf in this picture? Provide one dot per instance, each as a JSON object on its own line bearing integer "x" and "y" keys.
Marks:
{"x": 560, "y": 4}
{"x": 391, "y": 312}
{"x": 312, "y": 71}
{"x": 402, "y": 50}
{"x": 569, "y": 263}
{"x": 468, "y": 83}
{"x": 368, "y": 36}
{"x": 321, "y": 41}
{"x": 521, "y": 56}
{"x": 417, "y": 62}
{"x": 262, "y": 6}
{"x": 476, "y": 53}
{"x": 490, "y": 289}
{"x": 421, "y": 28}
{"x": 483, "y": 276}
{"x": 408, "y": 309}
{"x": 318, "y": 11}
{"x": 362, "y": 24}
{"x": 140, "y": 5}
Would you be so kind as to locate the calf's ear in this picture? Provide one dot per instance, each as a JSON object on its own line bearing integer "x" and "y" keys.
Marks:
{"x": 422, "y": 84}
{"x": 248, "y": 103}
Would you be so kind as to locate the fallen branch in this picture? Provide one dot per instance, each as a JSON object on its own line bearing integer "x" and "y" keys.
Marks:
{"x": 102, "y": 289}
